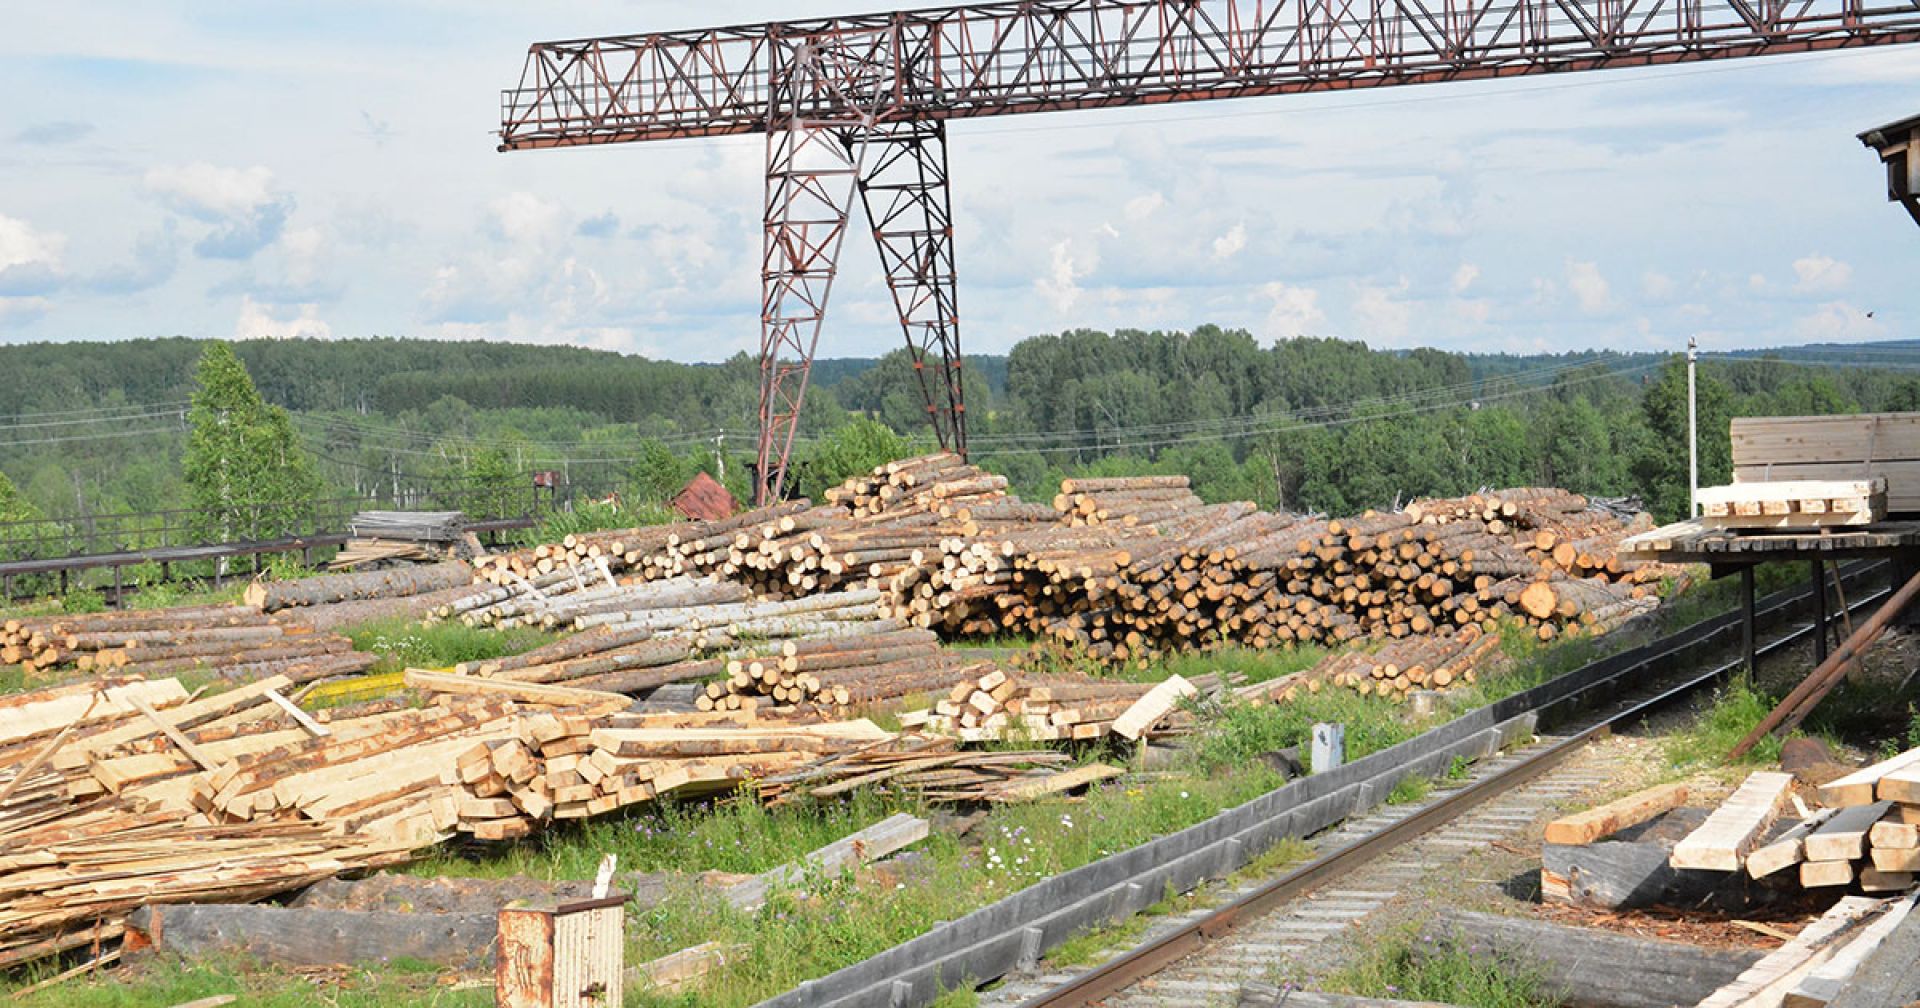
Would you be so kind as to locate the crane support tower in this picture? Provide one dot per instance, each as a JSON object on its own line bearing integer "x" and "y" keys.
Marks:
{"x": 858, "y": 106}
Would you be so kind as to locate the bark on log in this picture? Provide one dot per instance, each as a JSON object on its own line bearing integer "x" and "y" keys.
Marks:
{"x": 274, "y": 595}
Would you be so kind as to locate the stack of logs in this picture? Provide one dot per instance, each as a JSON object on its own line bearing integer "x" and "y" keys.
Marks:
{"x": 834, "y": 675}
{"x": 1399, "y": 667}
{"x": 232, "y": 642}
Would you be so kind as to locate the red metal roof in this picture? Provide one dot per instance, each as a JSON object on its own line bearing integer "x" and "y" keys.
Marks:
{"x": 704, "y": 499}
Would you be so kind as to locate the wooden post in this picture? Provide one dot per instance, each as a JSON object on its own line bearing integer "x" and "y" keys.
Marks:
{"x": 1746, "y": 619}
{"x": 1819, "y": 611}
{"x": 571, "y": 956}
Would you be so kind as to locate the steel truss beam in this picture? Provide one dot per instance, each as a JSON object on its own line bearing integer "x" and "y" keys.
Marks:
{"x": 857, "y": 104}
{"x": 905, "y": 193}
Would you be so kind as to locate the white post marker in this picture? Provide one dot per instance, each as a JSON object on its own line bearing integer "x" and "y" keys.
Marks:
{"x": 1329, "y": 747}
{"x": 1693, "y": 433}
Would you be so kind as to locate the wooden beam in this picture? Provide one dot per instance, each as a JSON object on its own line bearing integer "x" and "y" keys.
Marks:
{"x": 1722, "y": 842}
{"x": 1157, "y": 702}
{"x": 1614, "y": 816}
{"x": 1767, "y": 981}
{"x": 891, "y": 834}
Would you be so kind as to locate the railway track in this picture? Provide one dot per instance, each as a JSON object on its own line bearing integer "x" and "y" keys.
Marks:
{"x": 1203, "y": 956}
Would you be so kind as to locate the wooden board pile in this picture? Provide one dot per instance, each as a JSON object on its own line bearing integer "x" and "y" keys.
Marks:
{"x": 1835, "y": 447}
{"x": 1401, "y": 666}
{"x": 1794, "y": 504}
{"x": 117, "y": 794}
{"x": 932, "y": 766}
{"x": 1866, "y": 832}
{"x": 232, "y": 642}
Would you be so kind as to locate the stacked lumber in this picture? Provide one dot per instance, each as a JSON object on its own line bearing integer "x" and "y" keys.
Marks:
{"x": 232, "y": 642}
{"x": 1865, "y": 832}
{"x": 410, "y": 526}
{"x": 1837, "y": 447}
{"x": 1794, "y": 504}
{"x": 358, "y": 553}
{"x": 926, "y": 484}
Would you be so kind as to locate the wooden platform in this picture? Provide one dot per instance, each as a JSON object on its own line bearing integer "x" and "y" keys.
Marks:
{"x": 1695, "y": 542}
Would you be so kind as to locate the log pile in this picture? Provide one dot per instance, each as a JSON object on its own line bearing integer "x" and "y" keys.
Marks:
{"x": 832, "y": 675}
{"x": 1126, "y": 500}
{"x": 232, "y": 642}
{"x": 1399, "y": 667}
{"x": 931, "y": 766}
{"x": 272, "y": 596}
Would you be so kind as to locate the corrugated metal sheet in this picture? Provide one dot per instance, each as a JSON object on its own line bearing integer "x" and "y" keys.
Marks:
{"x": 704, "y": 499}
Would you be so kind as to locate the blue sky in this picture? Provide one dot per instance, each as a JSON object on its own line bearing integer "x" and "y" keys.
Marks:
{"x": 235, "y": 170}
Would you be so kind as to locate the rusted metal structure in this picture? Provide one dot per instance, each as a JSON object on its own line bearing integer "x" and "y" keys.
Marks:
{"x": 1898, "y": 144}
{"x": 860, "y": 104}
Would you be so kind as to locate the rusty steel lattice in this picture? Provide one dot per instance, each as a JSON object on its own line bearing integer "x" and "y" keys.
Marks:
{"x": 876, "y": 88}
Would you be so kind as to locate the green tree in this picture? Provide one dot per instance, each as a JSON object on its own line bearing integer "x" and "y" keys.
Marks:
{"x": 657, "y": 474}
{"x": 1660, "y": 468}
{"x": 245, "y": 469}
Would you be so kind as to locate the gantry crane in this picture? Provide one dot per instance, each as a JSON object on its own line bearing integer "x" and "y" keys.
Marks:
{"x": 859, "y": 105}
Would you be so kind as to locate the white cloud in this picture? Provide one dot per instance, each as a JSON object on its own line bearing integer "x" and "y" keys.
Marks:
{"x": 1590, "y": 289}
{"x": 1378, "y": 314}
{"x": 21, "y": 310}
{"x": 526, "y": 219}
{"x": 1464, "y": 277}
{"x": 245, "y": 206}
{"x": 1657, "y": 286}
{"x": 1140, "y": 208}
{"x": 1293, "y": 311}
{"x": 1819, "y": 274}
{"x": 1060, "y": 287}
{"x": 1474, "y": 310}
{"x": 1230, "y": 244}
{"x": 210, "y": 192}
{"x": 1837, "y": 321}
{"x": 258, "y": 322}
{"x": 21, "y": 245}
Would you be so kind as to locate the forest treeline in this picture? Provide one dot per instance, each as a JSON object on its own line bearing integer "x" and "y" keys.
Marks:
{"x": 1303, "y": 424}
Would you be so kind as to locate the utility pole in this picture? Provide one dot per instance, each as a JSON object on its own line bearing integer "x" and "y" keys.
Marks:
{"x": 720, "y": 456}
{"x": 1693, "y": 432}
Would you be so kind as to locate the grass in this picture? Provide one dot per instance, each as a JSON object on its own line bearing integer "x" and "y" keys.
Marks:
{"x": 1090, "y": 946}
{"x": 1241, "y": 732}
{"x": 1405, "y": 967}
{"x": 1734, "y": 712}
{"x": 1409, "y": 789}
{"x": 163, "y": 983}
{"x": 402, "y": 643}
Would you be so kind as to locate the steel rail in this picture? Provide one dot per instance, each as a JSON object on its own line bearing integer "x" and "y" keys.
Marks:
{"x": 1149, "y": 958}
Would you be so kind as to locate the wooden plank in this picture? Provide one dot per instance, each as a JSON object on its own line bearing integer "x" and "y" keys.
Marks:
{"x": 1767, "y": 981}
{"x": 1818, "y": 987}
{"x": 1791, "y": 490}
{"x": 1614, "y": 816}
{"x": 524, "y": 692}
{"x": 1857, "y": 788}
{"x": 186, "y": 745}
{"x": 677, "y": 969}
{"x": 1731, "y": 830}
{"x": 300, "y": 717}
{"x": 1902, "y": 785}
{"x": 1787, "y": 850}
{"x": 1823, "y": 874}
{"x": 885, "y": 837}
{"x": 1844, "y": 837}
{"x": 1028, "y": 788}
{"x": 1151, "y": 707}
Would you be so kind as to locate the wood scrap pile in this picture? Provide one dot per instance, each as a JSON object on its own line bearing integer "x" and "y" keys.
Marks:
{"x": 1000, "y": 704}
{"x": 932, "y": 766}
{"x": 232, "y": 642}
{"x": 404, "y": 537}
{"x": 1865, "y": 832}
